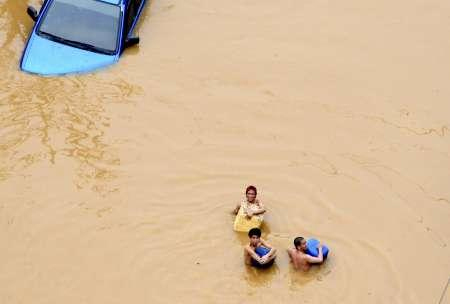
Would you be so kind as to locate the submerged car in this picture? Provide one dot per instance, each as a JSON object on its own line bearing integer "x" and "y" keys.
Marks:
{"x": 76, "y": 36}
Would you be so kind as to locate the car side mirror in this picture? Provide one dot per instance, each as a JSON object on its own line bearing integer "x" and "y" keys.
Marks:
{"x": 32, "y": 12}
{"x": 131, "y": 41}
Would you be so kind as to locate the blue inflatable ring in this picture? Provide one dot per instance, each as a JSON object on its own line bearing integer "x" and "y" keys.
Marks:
{"x": 262, "y": 251}
{"x": 311, "y": 248}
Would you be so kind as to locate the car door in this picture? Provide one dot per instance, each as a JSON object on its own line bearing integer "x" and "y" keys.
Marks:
{"x": 133, "y": 7}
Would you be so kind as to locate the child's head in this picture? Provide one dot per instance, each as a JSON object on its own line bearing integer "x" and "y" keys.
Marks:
{"x": 251, "y": 192}
{"x": 300, "y": 243}
{"x": 254, "y": 235}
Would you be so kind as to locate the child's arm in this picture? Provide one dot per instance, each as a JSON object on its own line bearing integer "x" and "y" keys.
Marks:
{"x": 315, "y": 260}
{"x": 247, "y": 257}
{"x": 267, "y": 245}
{"x": 253, "y": 254}
{"x": 260, "y": 210}
{"x": 236, "y": 210}
{"x": 290, "y": 252}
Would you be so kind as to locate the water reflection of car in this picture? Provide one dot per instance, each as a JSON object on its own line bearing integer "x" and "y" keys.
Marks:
{"x": 74, "y": 36}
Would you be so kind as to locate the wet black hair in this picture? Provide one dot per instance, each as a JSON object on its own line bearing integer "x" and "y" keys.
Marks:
{"x": 251, "y": 188}
{"x": 254, "y": 231}
{"x": 298, "y": 241}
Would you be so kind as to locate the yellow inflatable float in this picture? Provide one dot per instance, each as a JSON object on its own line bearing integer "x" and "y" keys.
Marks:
{"x": 242, "y": 223}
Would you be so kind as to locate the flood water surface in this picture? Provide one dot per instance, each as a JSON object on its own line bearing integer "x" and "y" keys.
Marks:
{"x": 117, "y": 186}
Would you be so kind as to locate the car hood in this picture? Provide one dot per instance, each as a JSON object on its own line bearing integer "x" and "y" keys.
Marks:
{"x": 45, "y": 57}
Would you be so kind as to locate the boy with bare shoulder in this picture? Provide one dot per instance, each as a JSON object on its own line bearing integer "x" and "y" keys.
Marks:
{"x": 299, "y": 257}
{"x": 258, "y": 252}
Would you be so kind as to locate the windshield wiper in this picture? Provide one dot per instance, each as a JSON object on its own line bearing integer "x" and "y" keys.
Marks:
{"x": 77, "y": 44}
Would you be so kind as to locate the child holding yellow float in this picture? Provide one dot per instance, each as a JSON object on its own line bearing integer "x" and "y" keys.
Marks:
{"x": 250, "y": 212}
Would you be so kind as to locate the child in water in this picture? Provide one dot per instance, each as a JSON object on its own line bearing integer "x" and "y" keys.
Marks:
{"x": 299, "y": 257}
{"x": 258, "y": 253}
{"x": 251, "y": 206}
{"x": 249, "y": 213}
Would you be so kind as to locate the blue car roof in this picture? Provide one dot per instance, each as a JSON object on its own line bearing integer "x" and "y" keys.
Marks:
{"x": 47, "y": 57}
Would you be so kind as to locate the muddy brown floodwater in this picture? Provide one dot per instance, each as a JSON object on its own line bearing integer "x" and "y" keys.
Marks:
{"x": 117, "y": 186}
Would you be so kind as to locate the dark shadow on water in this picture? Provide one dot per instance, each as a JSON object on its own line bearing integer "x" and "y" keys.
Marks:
{"x": 298, "y": 278}
{"x": 256, "y": 277}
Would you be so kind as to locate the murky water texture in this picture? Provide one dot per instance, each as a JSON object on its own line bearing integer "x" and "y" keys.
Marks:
{"x": 116, "y": 186}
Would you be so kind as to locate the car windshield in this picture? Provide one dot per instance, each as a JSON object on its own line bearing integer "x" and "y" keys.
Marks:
{"x": 86, "y": 24}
